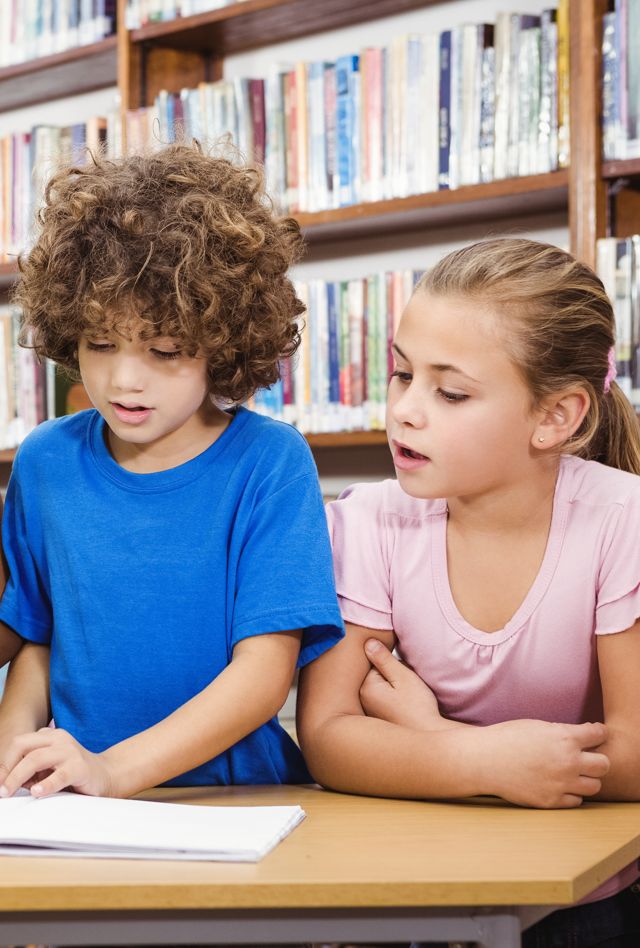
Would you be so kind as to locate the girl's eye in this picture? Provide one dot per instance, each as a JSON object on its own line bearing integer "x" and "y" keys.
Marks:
{"x": 402, "y": 376}
{"x": 452, "y": 396}
{"x": 164, "y": 354}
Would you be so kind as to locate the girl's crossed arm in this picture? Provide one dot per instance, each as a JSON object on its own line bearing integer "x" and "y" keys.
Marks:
{"x": 395, "y": 693}
{"x": 250, "y": 691}
{"x": 532, "y": 763}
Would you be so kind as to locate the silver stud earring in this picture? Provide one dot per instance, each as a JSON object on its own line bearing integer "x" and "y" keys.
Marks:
{"x": 540, "y": 440}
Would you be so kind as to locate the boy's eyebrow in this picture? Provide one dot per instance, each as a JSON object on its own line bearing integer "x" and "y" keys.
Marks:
{"x": 438, "y": 366}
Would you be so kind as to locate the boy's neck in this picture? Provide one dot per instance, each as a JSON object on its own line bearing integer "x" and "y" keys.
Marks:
{"x": 170, "y": 452}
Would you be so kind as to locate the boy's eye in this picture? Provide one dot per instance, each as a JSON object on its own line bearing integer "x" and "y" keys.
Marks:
{"x": 402, "y": 376}
{"x": 167, "y": 354}
{"x": 452, "y": 396}
{"x": 99, "y": 346}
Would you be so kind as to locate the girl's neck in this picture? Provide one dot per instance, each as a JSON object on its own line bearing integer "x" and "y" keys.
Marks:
{"x": 526, "y": 503}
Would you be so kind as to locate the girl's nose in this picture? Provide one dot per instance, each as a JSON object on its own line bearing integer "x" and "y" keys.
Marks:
{"x": 409, "y": 409}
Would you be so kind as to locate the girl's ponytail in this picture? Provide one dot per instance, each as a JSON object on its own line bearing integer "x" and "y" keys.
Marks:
{"x": 617, "y": 438}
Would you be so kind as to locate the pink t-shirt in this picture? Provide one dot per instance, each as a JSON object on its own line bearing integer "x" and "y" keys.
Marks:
{"x": 390, "y": 556}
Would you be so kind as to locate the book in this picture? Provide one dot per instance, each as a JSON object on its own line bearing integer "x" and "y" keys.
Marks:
{"x": 69, "y": 824}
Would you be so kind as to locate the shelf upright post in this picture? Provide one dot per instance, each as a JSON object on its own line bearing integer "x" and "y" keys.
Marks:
{"x": 587, "y": 189}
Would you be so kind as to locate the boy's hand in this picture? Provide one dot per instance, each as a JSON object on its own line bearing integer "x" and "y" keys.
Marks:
{"x": 49, "y": 760}
{"x": 539, "y": 764}
{"x": 394, "y": 692}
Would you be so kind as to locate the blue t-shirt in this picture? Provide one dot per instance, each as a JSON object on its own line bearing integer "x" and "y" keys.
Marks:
{"x": 143, "y": 583}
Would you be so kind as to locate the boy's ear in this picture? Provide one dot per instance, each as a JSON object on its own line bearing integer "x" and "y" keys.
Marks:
{"x": 559, "y": 417}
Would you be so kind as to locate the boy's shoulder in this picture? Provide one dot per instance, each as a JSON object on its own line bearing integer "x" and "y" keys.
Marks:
{"x": 276, "y": 440}
{"x": 387, "y": 498}
{"x": 56, "y": 437}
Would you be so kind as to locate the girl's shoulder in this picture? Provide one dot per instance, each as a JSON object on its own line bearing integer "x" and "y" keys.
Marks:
{"x": 386, "y": 499}
{"x": 592, "y": 484}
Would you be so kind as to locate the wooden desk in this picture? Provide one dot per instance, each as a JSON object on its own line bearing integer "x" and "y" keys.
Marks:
{"x": 357, "y": 869}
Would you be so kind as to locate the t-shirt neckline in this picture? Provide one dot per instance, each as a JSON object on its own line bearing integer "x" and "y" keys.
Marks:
{"x": 537, "y": 590}
{"x": 159, "y": 480}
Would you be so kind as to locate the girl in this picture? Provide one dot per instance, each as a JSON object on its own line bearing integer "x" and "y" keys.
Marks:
{"x": 159, "y": 544}
{"x": 504, "y": 562}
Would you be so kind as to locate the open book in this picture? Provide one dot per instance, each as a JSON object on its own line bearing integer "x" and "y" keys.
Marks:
{"x": 68, "y": 824}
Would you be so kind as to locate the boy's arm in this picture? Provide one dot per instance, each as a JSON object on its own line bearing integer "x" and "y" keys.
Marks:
{"x": 25, "y": 702}
{"x": 619, "y": 667}
{"x": 528, "y": 762}
{"x": 249, "y": 692}
{"x": 9, "y": 641}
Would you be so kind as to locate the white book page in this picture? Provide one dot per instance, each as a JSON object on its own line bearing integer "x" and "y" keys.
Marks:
{"x": 72, "y": 824}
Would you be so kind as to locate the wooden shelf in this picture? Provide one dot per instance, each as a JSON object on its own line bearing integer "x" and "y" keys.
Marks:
{"x": 72, "y": 72}
{"x": 537, "y": 194}
{"x": 347, "y": 439}
{"x": 621, "y": 169}
{"x": 510, "y": 197}
{"x": 340, "y": 439}
{"x": 8, "y": 274}
{"x": 256, "y": 23}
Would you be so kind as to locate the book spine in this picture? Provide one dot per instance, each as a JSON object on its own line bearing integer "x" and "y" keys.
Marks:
{"x": 444, "y": 124}
{"x": 331, "y": 164}
{"x": 487, "y": 110}
{"x": 563, "y": 82}
{"x": 609, "y": 97}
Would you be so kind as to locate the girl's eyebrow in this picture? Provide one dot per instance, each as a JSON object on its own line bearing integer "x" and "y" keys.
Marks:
{"x": 438, "y": 366}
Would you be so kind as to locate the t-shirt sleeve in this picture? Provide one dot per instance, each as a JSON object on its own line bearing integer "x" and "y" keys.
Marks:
{"x": 285, "y": 574}
{"x": 618, "y": 595}
{"x": 25, "y": 605}
{"x": 359, "y": 540}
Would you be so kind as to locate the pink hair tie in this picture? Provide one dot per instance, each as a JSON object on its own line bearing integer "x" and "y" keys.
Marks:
{"x": 611, "y": 373}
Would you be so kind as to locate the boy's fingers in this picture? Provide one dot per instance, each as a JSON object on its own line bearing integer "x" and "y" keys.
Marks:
{"x": 382, "y": 659}
{"x": 52, "y": 784}
{"x": 31, "y": 764}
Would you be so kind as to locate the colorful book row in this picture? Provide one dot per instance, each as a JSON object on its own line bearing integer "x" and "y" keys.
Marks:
{"x": 427, "y": 112}
{"x": 26, "y": 162}
{"x": 337, "y": 381}
{"x": 30, "y": 29}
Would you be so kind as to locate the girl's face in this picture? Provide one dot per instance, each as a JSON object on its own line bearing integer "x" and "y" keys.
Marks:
{"x": 153, "y": 397}
{"x": 459, "y": 417}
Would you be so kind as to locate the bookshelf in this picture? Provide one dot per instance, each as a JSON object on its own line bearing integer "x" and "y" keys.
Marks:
{"x": 192, "y": 49}
{"x": 72, "y": 72}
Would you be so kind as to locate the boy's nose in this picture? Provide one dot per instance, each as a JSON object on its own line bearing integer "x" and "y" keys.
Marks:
{"x": 127, "y": 374}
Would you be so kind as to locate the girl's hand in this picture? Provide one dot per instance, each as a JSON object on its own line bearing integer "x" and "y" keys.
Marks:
{"x": 538, "y": 764}
{"x": 49, "y": 760}
{"x": 394, "y": 692}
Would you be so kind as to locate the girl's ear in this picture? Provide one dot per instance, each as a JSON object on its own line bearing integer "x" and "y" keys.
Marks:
{"x": 560, "y": 416}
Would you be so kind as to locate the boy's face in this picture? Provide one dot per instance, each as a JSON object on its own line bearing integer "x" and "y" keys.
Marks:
{"x": 153, "y": 397}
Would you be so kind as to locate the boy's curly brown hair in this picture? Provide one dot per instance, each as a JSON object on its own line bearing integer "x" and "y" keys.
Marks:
{"x": 187, "y": 242}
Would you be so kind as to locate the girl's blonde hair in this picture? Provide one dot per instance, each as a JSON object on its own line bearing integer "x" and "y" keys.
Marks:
{"x": 561, "y": 330}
